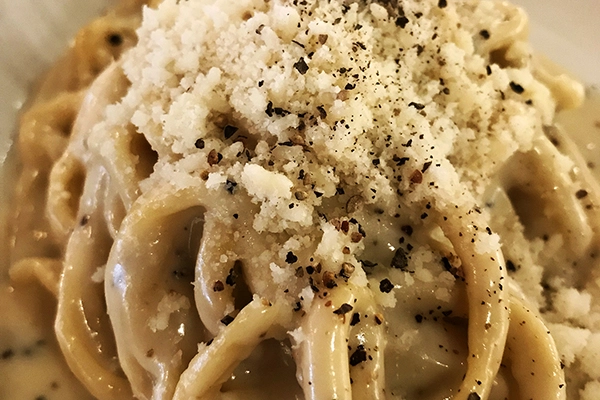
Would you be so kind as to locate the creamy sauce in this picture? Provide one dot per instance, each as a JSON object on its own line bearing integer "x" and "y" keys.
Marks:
{"x": 583, "y": 125}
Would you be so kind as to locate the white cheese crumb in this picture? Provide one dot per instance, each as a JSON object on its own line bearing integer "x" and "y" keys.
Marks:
{"x": 298, "y": 336}
{"x": 98, "y": 275}
{"x": 571, "y": 303}
{"x": 169, "y": 304}
{"x": 280, "y": 275}
{"x": 590, "y": 358}
{"x": 264, "y": 184}
{"x": 307, "y": 295}
{"x": 590, "y": 391}
{"x": 569, "y": 341}
{"x": 215, "y": 179}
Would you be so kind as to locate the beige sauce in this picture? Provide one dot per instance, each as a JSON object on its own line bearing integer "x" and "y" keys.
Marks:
{"x": 583, "y": 125}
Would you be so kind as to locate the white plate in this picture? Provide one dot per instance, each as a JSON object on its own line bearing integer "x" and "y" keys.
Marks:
{"x": 33, "y": 33}
{"x": 568, "y": 33}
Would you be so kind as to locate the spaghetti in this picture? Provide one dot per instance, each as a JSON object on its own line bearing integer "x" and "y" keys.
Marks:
{"x": 368, "y": 185}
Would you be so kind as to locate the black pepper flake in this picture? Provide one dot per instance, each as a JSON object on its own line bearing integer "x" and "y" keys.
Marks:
{"x": 344, "y": 309}
{"x": 399, "y": 160}
{"x": 367, "y": 263}
{"x": 355, "y": 237}
{"x": 443, "y": 4}
{"x": 301, "y": 66}
{"x": 236, "y": 215}
{"x": 518, "y": 89}
{"x": 84, "y": 220}
{"x": 581, "y": 194}
{"x": 318, "y": 194}
{"x": 416, "y": 176}
{"x": 214, "y": 157}
{"x": 407, "y": 229}
{"x": 426, "y": 166}
{"x": 424, "y": 215}
{"x": 386, "y": 286}
{"x": 361, "y": 230}
{"x": 322, "y": 111}
{"x": 298, "y": 306}
{"x": 446, "y": 264}
{"x": 349, "y": 86}
{"x": 359, "y": 355}
{"x": 446, "y": 313}
{"x": 329, "y": 280}
{"x": 473, "y": 396}
{"x": 229, "y": 131}
{"x": 199, "y": 144}
{"x": 401, "y": 21}
{"x": 290, "y": 258}
{"x": 511, "y": 266}
{"x": 231, "y": 277}
{"x": 355, "y": 319}
{"x": 399, "y": 261}
{"x": 114, "y": 39}
{"x": 323, "y": 39}
{"x": 376, "y": 162}
{"x": 419, "y": 318}
{"x": 218, "y": 286}
{"x": 488, "y": 70}
{"x": 484, "y": 33}
{"x": 446, "y": 91}
{"x": 282, "y": 112}
{"x": 230, "y": 186}
{"x": 345, "y": 226}
{"x": 269, "y": 109}
{"x": 418, "y": 106}
{"x": 226, "y": 320}
{"x": 261, "y": 83}
{"x": 312, "y": 286}
{"x": 347, "y": 270}
{"x": 7, "y": 354}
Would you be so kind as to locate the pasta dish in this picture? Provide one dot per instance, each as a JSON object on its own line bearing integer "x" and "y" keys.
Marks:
{"x": 310, "y": 199}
